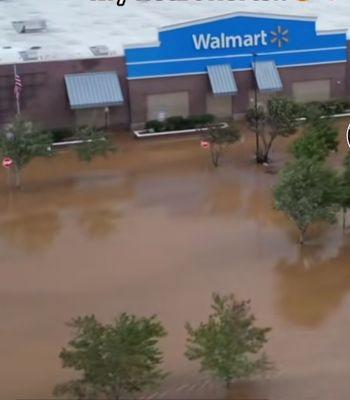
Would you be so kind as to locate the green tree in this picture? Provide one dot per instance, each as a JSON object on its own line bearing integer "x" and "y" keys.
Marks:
{"x": 229, "y": 344}
{"x": 319, "y": 139}
{"x": 114, "y": 359}
{"x": 219, "y": 138}
{"x": 279, "y": 119}
{"x": 93, "y": 143}
{"x": 306, "y": 192}
{"x": 256, "y": 120}
{"x": 344, "y": 189}
{"x": 282, "y": 116}
{"x": 22, "y": 141}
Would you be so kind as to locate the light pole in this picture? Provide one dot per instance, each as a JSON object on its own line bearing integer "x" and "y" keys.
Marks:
{"x": 106, "y": 110}
{"x": 255, "y": 55}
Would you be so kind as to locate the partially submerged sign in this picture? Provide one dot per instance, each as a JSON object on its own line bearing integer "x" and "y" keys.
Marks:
{"x": 7, "y": 162}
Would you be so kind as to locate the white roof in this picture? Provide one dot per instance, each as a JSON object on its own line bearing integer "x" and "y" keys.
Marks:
{"x": 73, "y": 26}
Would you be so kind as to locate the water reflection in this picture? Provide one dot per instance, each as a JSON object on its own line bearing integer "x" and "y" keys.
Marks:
{"x": 311, "y": 288}
{"x": 99, "y": 223}
{"x": 214, "y": 193}
{"x": 31, "y": 233}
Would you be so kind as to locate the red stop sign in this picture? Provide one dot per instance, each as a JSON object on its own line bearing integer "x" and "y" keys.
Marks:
{"x": 7, "y": 162}
{"x": 205, "y": 144}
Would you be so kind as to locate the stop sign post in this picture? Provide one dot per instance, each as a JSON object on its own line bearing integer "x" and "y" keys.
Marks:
{"x": 7, "y": 162}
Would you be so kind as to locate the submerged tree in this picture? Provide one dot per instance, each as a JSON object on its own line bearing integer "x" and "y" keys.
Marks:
{"x": 319, "y": 139}
{"x": 307, "y": 192}
{"x": 93, "y": 143}
{"x": 219, "y": 138}
{"x": 279, "y": 119}
{"x": 115, "y": 359}
{"x": 256, "y": 119}
{"x": 229, "y": 344}
{"x": 22, "y": 141}
{"x": 344, "y": 189}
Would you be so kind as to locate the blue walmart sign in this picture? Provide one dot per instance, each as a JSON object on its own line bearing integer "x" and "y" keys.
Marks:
{"x": 235, "y": 39}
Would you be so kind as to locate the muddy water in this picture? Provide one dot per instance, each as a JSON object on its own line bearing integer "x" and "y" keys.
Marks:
{"x": 156, "y": 229}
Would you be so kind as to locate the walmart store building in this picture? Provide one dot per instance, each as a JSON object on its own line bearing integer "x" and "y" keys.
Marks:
{"x": 214, "y": 65}
{"x": 204, "y": 66}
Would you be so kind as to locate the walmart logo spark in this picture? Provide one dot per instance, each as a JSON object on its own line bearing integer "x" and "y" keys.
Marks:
{"x": 280, "y": 36}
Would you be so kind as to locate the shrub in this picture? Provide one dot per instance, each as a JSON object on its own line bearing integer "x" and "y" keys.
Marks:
{"x": 178, "y": 123}
{"x": 155, "y": 125}
{"x": 336, "y": 106}
{"x": 61, "y": 134}
{"x": 331, "y": 107}
{"x": 200, "y": 120}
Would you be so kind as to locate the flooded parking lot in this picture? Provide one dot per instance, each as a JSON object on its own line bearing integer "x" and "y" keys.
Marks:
{"x": 156, "y": 229}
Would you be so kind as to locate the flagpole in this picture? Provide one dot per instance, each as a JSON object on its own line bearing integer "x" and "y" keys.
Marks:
{"x": 18, "y": 106}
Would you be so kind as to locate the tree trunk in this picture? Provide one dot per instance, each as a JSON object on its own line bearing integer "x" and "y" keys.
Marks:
{"x": 344, "y": 218}
{"x": 259, "y": 155}
{"x": 228, "y": 383}
{"x": 215, "y": 155}
{"x": 302, "y": 232}
{"x": 17, "y": 177}
{"x": 267, "y": 150}
{"x": 257, "y": 141}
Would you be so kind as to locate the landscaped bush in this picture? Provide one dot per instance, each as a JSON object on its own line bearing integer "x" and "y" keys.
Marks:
{"x": 61, "y": 134}
{"x": 178, "y": 123}
{"x": 331, "y": 107}
{"x": 336, "y": 106}
{"x": 155, "y": 125}
{"x": 200, "y": 120}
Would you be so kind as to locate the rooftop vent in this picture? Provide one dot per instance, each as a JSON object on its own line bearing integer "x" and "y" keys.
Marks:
{"x": 30, "y": 26}
{"x": 101, "y": 50}
{"x": 29, "y": 55}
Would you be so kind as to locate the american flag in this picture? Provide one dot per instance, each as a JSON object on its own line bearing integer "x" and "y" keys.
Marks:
{"x": 18, "y": 86}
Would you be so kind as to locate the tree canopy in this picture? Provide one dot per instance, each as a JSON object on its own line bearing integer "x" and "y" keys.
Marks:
{"x": 318, "y": 140}
{"x": 93, "y": 143}
{"x": 306, "y": 192}
{"x": 229, "y": 344}
{"x": 344, "y": 188}
{"x": 218, "y": 138}
{"x": 114, "y": 359}
{"x": 278, "y": 119}
{"x": 22, "y": 141}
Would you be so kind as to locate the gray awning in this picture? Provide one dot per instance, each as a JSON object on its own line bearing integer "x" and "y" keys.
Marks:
{"x": 92, "y": 90}
{"x": 267, "y": 76}
{"x": 222, "y": 80}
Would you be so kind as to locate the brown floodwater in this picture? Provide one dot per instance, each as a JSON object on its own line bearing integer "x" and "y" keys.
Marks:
{"x": 155, "y": 228}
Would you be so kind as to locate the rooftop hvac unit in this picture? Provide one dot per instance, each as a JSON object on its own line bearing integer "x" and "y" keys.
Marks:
{"x": 101, "y": 50}
{"x": 29, "y": 55}
{"x": 30, "y": 26}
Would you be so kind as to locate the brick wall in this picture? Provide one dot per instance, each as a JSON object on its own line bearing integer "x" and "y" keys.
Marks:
{"x": 44, "y": 96}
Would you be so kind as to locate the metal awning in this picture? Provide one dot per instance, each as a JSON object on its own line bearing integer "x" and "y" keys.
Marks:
{"x": 222, "y": 80}
{"x": 267, "y": 76}
{"x": 92, "y": 90}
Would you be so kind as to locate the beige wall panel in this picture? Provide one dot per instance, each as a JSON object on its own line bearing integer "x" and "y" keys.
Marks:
{"x": 167, "y": 105}
{"x": 318, "y": 90}
{"x": 220, "y": 106}
{"x": 90, "y": 116}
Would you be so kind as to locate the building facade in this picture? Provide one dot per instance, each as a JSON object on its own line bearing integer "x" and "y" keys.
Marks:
{"x": 205, "y": 66}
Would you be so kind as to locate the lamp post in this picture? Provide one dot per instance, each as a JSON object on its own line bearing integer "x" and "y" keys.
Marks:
{"x": 255, "y": 55}
{"x": 255, "y": 85}
{"x": 106, "y": 110}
